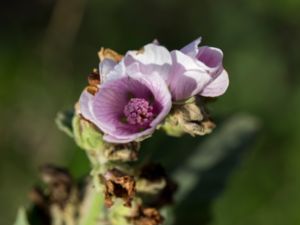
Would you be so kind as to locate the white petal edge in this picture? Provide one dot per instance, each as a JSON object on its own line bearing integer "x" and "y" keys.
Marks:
{"x": 217, "y": 86}
{"x": 151, "y": 54}
{"x": 86, "y": 106}
{"x": 192, "y": 48}
{"x": 105, "y": 67}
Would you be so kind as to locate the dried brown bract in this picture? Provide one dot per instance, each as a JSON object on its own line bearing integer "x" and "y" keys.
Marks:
{"x": 122, "y": 152}
{"x": 94, "y": 78}
{"x": 190, "y": 117}
{"x": 58, "y": 201}
{"x": 154, "y": 180}
{"x": 94, "y": 81}
{"x": 40, "y": 204}
{"x": 59, "y": 183}
{"x": 120, "y": 185}
{"x": 107, "y": 53}
{"x": 147, "y": 216}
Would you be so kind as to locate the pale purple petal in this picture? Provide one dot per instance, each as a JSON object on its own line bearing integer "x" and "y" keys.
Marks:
{"x": 161, "y": 94}
{"x": 105, "y": 66}
{"x": 133, "y": 69}
{"x": 187, "y": 77}
{"x": 110, "y": 101}
{"x": 151, "y": 54}
{"x": 211, "y": 57}
{"x": 117, "y": 72}
{"x": 187, "y": 62}
{"x": 216, "y": 87}
{"x": 113, "y": 139}
{"x": 192, "y": 48}
{"x": 210, "y": 60}
{"x": 86, "y": 106}
{"x": 151, "y": 58}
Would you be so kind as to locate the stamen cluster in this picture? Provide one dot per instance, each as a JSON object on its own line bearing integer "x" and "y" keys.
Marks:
{"x": 138, "y": 111}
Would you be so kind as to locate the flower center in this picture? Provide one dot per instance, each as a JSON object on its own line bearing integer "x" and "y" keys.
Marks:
{"x": 138, "y": 111}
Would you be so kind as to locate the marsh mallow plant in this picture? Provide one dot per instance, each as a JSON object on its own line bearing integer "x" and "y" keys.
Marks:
{"x": 127, "y": 99}
{"x": 135, "y": 92}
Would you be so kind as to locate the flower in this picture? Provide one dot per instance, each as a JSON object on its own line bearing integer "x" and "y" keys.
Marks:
{"x": 135, "y": 92}
{"x": 151, "y": 59}
{"x": 156, "y": 58}
{"x": 192, "y": 70}
{"x": 128, "y": 107}
{"x": 198, "y": 70}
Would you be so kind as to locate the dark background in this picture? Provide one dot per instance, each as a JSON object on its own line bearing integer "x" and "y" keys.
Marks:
{"x": 48, "y": 47}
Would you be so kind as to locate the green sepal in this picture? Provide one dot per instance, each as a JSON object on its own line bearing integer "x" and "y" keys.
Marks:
{"x": 118, "y": 213}
{"x": 86, "y": 135}
{"x": 185, "y": 101}
{"x": 172, "y": 127}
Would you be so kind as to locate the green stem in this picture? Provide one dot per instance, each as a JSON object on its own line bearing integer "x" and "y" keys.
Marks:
{"x": 92, "y": 208}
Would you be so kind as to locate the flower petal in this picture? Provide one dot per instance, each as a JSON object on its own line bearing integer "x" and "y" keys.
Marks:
{"x": 217, "y": 87}
{"x": 105, "y": 66}
{"x": 151, "y": 58}
{"x": 211, "y": 57}
{"x": 151, "y": 54}
{"x": 160, "y": 91}
{"x": 187, "y": 77}
{"x": 187, "y": 62}
{"x": 85, "y": 105}
{"x": 117, "y": 72}
{"x": 192, "y": 48}
{"x": 110, "y": 101}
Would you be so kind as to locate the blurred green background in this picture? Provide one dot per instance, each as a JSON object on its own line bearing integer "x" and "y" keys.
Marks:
{"x": 49, "y": 46}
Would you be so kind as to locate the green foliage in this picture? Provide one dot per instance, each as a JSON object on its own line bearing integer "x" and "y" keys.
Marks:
{"x": 21, "y": 217}
{"x": 260, "y": 41}
{"x": 233, "y": 136}
{"x": 64, "y": 122}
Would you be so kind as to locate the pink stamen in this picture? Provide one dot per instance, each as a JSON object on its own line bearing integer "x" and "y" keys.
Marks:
{"x": 138, "y": 111}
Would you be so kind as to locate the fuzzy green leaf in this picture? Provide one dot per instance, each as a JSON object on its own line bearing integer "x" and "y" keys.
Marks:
{"x": 63, "y": 121}
{"x": 21, "y": 217}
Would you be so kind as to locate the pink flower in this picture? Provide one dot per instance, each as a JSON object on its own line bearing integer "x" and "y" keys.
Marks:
{"x": 192, "y": 70}
{"x": 135, "y": 94}
{"x": 129, "y": 107}
{"x": 204, "y": 65}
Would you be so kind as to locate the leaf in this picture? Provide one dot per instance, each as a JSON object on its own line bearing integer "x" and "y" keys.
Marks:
{"x": 202, "y": 176}
{"x": 21, "y": 217}
{"x": 63, "y": 121}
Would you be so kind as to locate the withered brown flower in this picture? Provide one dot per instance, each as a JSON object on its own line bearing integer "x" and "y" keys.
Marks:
{"x": 154, "y": 180}
{"x": 122, "y": 152}
{"x": 119, "y": 185}
{"x": 94, "y": 82}
{"x": 59, "y": 182}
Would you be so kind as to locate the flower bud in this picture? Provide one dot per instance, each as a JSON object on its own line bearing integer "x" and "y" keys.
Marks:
{"x": 86, "y": 134}
{"x": 188, "y": 118}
